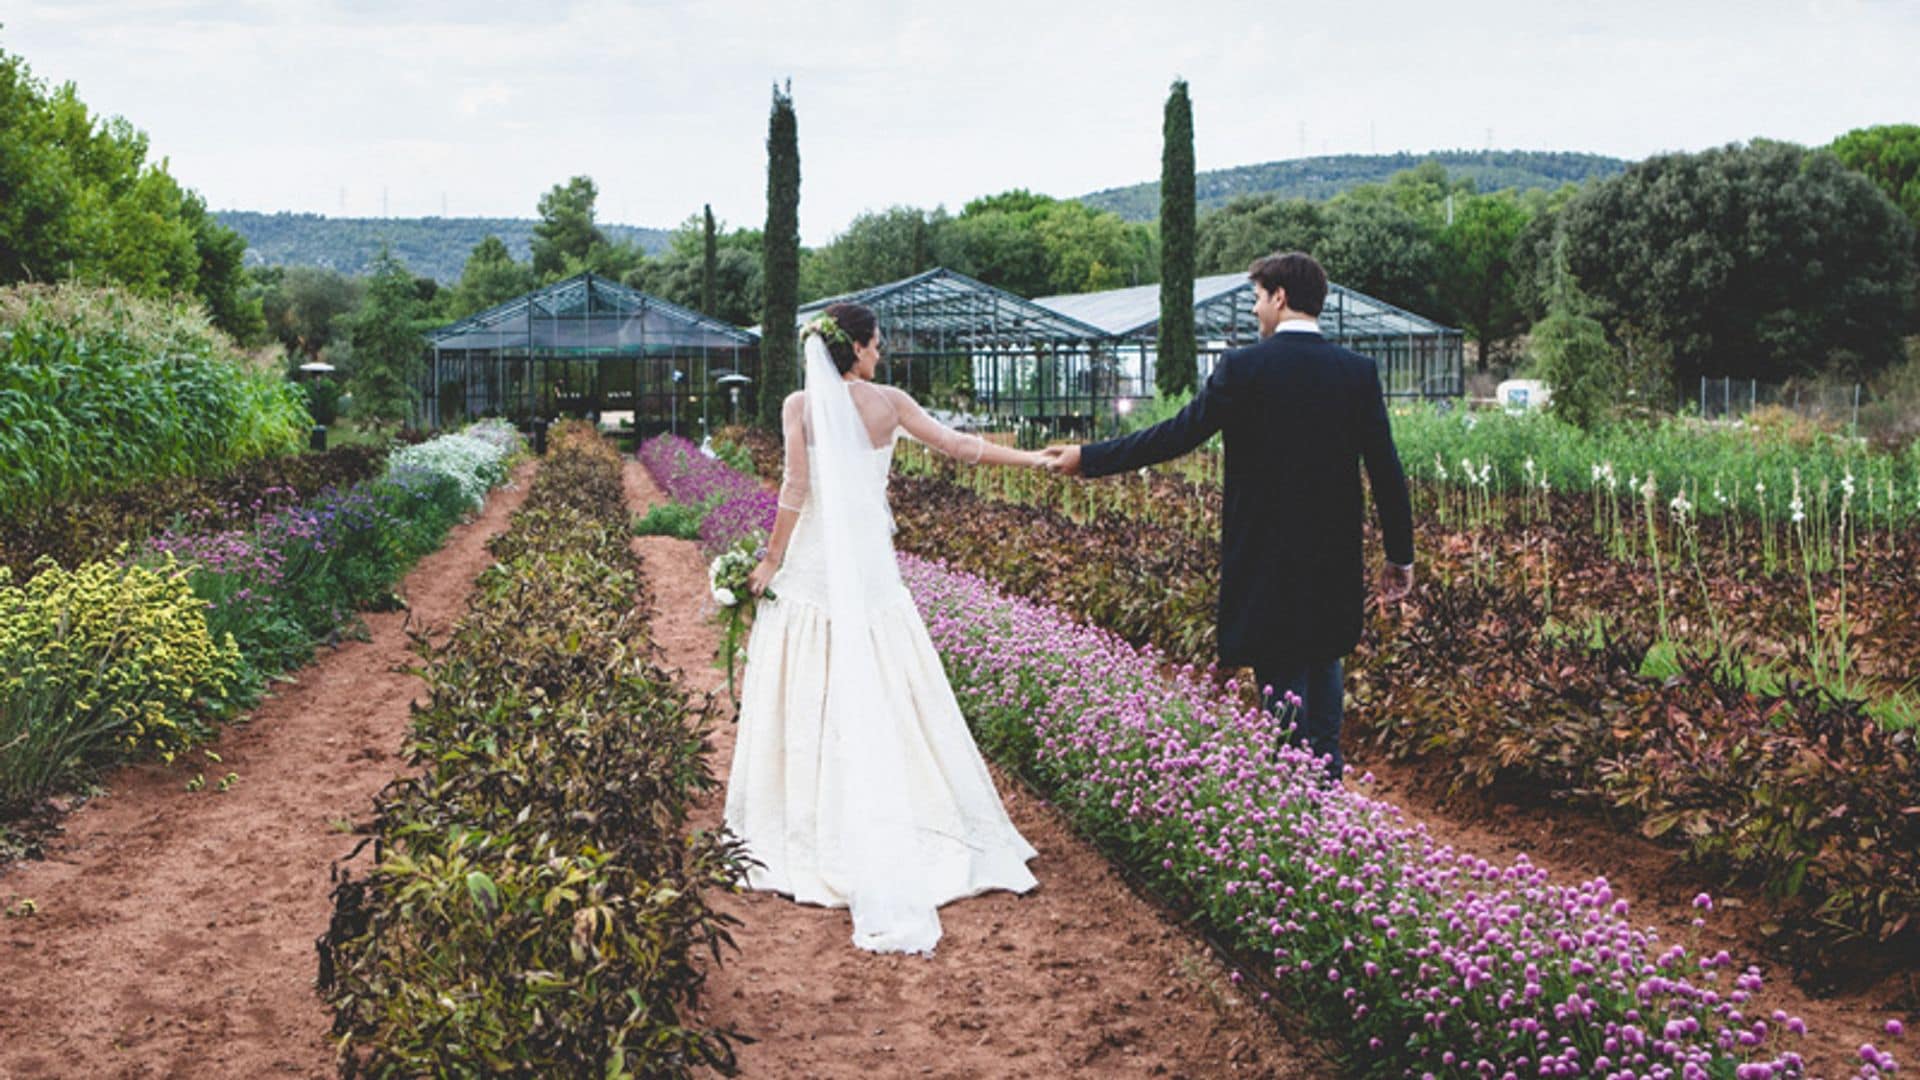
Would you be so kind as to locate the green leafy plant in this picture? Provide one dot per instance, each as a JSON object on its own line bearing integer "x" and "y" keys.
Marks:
{"x": 102, "y": 391}
{"x": 537, "y": 903}
{"x": 677, "y": 520}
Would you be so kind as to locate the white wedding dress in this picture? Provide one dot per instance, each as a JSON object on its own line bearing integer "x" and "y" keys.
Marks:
{"x": 855, "y": 782}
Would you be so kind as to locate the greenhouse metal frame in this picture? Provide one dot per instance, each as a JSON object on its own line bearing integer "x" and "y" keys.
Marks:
{"x": 588, "y": 347}
{"x": 961, "y": 344}
{"x": 1418, "y": 357}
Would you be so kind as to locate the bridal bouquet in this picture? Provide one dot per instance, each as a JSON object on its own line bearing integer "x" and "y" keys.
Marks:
{"x": 727, "y": 577}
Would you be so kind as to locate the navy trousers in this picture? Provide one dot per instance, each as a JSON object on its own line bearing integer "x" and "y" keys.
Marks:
{"x": 1320, "y": 688}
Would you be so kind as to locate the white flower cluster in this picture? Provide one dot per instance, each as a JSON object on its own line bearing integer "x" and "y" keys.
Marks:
{"x": 499, "y": 432}
{"x": 1603, "y": 474}
{"x": 727, "y": 576}
{"x": 475, "y": 464}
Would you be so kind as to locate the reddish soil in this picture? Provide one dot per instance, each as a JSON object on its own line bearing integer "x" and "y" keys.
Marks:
{"x": 1079, "y": 977}
{"x": 175, "y": 929}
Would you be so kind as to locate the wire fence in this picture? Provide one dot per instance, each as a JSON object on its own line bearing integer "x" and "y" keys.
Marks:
{"x": 1828, "y": 402}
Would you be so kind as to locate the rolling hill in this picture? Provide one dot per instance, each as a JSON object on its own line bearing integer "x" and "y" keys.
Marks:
{"x": 431, "y": 247}
{"x": 1325, "y": 177}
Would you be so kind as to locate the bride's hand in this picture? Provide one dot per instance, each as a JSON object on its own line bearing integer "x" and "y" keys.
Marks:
{"x": 761, "y": 575}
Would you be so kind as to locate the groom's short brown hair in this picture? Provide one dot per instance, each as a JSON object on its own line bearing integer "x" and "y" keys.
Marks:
{"x": 1299, "y": 274}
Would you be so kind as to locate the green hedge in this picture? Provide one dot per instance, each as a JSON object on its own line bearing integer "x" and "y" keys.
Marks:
{"x": 537, "y": 904}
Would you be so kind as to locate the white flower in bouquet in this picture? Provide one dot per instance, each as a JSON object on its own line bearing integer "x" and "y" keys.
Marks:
{"x": 727, "y": 578}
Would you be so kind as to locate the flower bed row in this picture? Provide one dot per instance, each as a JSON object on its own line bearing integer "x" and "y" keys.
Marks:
{"x": 1413, "y": 959}
{"x": 1416, "y": 960}
{"x": 89, "y": 528}
{"x": 1740, "y": 776}
{"x": 144, "y": 655}
{"x": 537, "y": 907}
{"x": 726, "y": 501}
{"x": 1754, "y": 468}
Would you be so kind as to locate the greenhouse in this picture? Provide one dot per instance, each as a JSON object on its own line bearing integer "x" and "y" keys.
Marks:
{"x": 1418, "y": 357}
{"x": 961, "y": 344}
{"x": 587, "y": 347}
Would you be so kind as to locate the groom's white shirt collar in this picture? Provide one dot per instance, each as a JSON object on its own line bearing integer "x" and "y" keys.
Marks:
{"x": 1298, "y": 326}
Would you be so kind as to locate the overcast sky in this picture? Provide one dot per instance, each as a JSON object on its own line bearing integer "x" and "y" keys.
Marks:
{"x": 475, "y": 107}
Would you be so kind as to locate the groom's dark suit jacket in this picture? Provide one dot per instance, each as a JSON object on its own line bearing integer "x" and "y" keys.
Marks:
{"x": 1299, "y": 415}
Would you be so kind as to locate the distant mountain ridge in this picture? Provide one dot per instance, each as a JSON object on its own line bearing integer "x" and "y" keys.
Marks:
{"x": 1325, "y": 177}
{"x": 431, "y": 247}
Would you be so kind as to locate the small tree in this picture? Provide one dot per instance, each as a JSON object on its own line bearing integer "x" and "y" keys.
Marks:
{"x": 566, "y": 230}
{"x": 1175, "y": 368}
{"x": 781, "y": 258}
{"x": 1889, "y": 155}
{"x": 386, "y": 362}
{"x": 1572, "y": 354}
{"x": 489, "y": 277}
{"x": 710, "y": 264}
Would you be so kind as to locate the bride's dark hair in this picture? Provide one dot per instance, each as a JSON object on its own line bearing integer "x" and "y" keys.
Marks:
{"x": 858, "y": 323}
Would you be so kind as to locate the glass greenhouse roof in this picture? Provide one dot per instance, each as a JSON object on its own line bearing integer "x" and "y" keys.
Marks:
{"x": 1223, "y": 305}
{"x": 591, "y": 315}
{"x": 945, "y": 302}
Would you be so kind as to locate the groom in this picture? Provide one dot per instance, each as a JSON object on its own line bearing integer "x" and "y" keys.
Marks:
{"x": 1300, "y": 414}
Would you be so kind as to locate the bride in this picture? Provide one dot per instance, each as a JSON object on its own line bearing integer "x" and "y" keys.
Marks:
{"x": 855, "y": 782}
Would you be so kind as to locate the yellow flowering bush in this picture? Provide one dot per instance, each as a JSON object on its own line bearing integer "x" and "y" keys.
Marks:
{"x": 100, "y": 662}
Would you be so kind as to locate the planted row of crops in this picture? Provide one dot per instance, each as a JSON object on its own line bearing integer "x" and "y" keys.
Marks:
{"x": 1411, "y": 958}
{"x": 1784, "y": 784}
{"x": 102, "y": 391}
{"x": 143, "y": 653}
{"x": 1723, "y": 467}
{"x": 713, "y": 502}
{"x": 537, "y": 906}
{"x": 90, "y": 527}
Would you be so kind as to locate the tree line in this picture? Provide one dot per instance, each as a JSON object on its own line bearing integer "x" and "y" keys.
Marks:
{"x": 1321, "y": 178}
{"x": 435, "y": 247}
{"x": 1764, "y": 260}
{"x": 80, "y": 199}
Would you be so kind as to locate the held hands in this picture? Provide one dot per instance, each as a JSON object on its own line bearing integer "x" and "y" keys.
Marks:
{"x": 1064, "y": 460}
{"x": 1396, "y": 584}
{"x": 761, "y": 575}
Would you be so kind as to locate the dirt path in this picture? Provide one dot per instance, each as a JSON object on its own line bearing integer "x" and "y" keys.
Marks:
{"x": 176, "y": 929}
{"x": 1080, "y": 977}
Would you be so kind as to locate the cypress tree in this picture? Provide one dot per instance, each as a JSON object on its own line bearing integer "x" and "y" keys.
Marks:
{"x": 1175, "y": 369}
{"x": 710, "y": 267}
{"x": 782, "y": 259}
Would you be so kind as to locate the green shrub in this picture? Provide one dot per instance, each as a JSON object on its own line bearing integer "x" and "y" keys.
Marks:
{"x": 100, "y": 391}
{"x": 99, "y": 664}
{"x": 671, "y": 519}
{"x": 538, "y": 907}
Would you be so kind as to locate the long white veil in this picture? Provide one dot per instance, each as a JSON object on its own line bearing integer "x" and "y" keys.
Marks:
{"x": 869, "y": 838}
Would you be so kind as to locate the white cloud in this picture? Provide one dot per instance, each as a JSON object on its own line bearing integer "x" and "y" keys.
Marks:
{"x": 475, "y": 98}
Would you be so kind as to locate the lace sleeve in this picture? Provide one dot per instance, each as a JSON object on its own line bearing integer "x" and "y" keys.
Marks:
{"x": 914, "y": 419}
{"x": 794, "y": 483}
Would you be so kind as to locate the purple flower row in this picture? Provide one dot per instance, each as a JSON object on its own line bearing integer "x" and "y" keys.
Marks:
{"x": 1423, "y": 960}
{"x": 231, "y": 551}
{"x": 737, "y": 506}
{"x": 688, "y": 476}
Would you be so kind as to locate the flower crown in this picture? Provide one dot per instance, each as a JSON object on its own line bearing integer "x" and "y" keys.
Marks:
{"x": 827, "y": 328}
